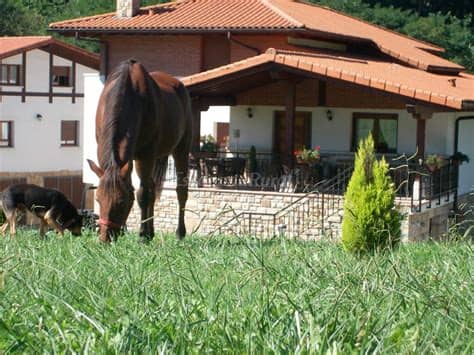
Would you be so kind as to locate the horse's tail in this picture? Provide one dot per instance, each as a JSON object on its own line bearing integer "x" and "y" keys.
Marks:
{"x": 159, "y": 175}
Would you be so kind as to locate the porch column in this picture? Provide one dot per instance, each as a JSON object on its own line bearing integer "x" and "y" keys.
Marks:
{"x": 196, "y": 140}
{"x": 290, "y": 109}
{"x": 420, "y": 135}
{"x": 421, "y": 114}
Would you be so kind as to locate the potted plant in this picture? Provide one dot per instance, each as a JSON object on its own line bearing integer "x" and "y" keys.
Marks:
{"x": 434, "y": 162}
{"x": 208, "y": 146}
{"x": 458, "y": 158}
{"x": 308, "y": 156}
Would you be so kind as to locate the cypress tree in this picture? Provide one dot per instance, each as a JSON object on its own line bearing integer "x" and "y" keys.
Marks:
{"x": 370, "y": 221}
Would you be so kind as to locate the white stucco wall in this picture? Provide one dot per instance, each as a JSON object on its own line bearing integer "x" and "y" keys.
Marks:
{"x": 93, "y": 85}
{"x": 37, "y": 142}
{"x": 466, "y": 146}
{"x": 210, "y": 117}
{"x": 335, "y": 136}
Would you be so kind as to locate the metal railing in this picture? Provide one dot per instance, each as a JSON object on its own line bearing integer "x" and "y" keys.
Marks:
{"x": 311, "y": 212}
{"x": 308, "y": 213}
{"x": 412, "y": 180}
{"x": 434, "y": 187}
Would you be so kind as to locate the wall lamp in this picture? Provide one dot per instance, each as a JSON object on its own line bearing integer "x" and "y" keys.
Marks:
{"x": 39, "y": 116}
{"x": 329, "y": 115}
{"x": 249, "y": 112}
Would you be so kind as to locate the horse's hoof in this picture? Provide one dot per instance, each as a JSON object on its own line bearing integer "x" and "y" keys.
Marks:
{"x": 180, "y": 234}
{"x": 145, "y": 239}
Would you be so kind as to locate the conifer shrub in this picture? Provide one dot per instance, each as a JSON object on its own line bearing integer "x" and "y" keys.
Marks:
{"x": 370, "y": 221}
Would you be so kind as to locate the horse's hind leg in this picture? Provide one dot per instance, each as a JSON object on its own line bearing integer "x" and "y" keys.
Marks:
{"x": 181, "y": 162}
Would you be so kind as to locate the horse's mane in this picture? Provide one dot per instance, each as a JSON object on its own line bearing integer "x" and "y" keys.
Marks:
{"x": 117, "y": 102}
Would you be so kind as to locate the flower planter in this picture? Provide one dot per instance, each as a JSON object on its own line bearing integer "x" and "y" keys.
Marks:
{"x": 307, "y": 161}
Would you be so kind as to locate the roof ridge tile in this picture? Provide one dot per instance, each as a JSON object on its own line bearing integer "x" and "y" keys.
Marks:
{"x": 282, "y": 14}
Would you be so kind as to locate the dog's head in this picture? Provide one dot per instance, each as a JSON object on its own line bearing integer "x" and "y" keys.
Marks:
{"x": 75, "y": 225}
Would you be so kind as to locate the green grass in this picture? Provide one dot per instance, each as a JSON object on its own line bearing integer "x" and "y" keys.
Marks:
{"x": 232, "y": 295}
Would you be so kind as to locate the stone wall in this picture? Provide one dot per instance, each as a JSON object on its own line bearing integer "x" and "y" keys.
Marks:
{"x": 207, "y": 209}
{"x": 429, "y": 223}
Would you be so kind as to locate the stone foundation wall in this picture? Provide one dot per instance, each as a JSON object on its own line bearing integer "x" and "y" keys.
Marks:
{"x": 208, "y": 208}
{"x": 429, "y": 223}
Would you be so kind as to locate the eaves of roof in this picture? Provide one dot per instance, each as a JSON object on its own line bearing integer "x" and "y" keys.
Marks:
{"x": 385, "y": 76}
{"x": 10, "y": 46}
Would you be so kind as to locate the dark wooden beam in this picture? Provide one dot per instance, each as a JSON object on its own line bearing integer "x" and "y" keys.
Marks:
{"x": 421, "y": 113}
{"x": 23, "y": 77}
{"x": 277, "y": 74}
{"x": 205, "y": 101}
{"x": 290, "y": 109}
{"x": 420, "y": 137}
{"x": 104, "y": 59}
{"x": 50, "y": 77}
{"x": 322, "y": 96}
{"x": 73, "y": 83}
{"x": 39, "y": 94}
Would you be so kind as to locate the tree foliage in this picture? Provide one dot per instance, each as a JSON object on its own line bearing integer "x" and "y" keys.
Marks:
{"x": 16, "y": 19}
{"x": 371, "y": 221}
{"x": 434, "y": 22}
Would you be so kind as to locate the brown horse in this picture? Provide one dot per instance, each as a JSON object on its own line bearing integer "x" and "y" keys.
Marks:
{"x": 142, "y": 117}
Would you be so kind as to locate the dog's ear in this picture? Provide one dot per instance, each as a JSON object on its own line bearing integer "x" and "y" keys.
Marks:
{"x": 95, "y": 168}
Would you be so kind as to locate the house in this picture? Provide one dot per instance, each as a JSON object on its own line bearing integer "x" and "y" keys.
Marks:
{"x": 299, "y": 75}
{"x": 41, "y": 111}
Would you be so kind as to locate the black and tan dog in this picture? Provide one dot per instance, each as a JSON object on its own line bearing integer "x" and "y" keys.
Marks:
{"x": 50, "y": 206}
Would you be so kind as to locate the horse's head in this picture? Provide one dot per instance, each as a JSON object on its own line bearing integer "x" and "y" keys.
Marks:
{"x": 115, "y": 197}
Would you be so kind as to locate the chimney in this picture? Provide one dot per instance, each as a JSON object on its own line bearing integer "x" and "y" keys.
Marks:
{"x": 127, "y": 8}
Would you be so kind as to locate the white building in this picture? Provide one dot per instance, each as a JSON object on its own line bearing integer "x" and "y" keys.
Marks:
{"x": 41, "y": 112}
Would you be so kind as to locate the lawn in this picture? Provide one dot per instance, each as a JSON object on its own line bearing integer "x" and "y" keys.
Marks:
{"x": 233, "y": 295}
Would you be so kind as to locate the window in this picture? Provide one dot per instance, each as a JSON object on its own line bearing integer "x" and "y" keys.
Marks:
{"x": 69, "y": 133}
{"x": 61, "y": 76}
{"x": 384, "y": 129}
{"x": 6, "y": 134}
{"x": 10, "y": 74}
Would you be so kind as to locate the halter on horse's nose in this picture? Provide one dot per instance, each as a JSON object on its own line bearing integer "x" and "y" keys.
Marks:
{"x": 111, "y": 230}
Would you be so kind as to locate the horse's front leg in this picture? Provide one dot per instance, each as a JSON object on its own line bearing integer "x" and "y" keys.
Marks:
{"x": 181, "y": 162}
{"x": 146, "y": 198}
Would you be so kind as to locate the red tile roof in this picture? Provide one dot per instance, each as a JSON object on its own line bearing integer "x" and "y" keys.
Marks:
{"x": 10, "y": 46}
{"x": 198, "y": 16}
{"x": 13, "y": 45}
{"x": 386, "y": 76}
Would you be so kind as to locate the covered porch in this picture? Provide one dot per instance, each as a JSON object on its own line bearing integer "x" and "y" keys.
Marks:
{"x": 285, "y": 101}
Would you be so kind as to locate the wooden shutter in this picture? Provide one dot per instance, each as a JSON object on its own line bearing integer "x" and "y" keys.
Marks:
{"x": 69, "y": 133}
